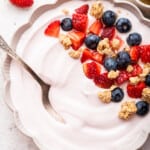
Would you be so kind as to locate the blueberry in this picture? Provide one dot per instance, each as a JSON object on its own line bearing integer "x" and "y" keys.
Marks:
{"x": 92, "y": 41}
{"x": 117, "y": 94}
{"x": 134, "y": 39}
{"x": 147, "y": 80}
{"x": 109, "y": 18}
{"x": 66, "y": 24}
{"x": 142, "y": 108}
{"x": 123, "y": 60}
{"x": 110, "y": 63}
{"x": 123, "y": 25}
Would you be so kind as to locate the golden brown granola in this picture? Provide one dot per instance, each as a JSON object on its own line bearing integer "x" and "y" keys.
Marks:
{"x": 128, "y": 109}
{"x": 134, "y": 80}
{"x": 113, "y": 74}
{"x": 146, "y": 70}
{"x": 75, "y": 54}
{"x": 115, "y": 44}
{"x": 97, "y": 10}
{"x": 146, "y": 95}
{"x": 105, "y": 96}
{"x": 129, "y": 68}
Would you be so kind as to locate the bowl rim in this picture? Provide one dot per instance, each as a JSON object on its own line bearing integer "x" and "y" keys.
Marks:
{"x": 143, "y": 4}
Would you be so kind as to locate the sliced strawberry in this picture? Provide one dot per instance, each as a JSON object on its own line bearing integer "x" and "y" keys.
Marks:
{"x": 135, "y": 91}
{"x": 137, "y": 69}
{"x": 83, "y": 9}
{"x": 123, "y": 77}
{"x": 53, "y": 29}
{"x": 108, "y": 32}
{"x": 103, "y": 81}
{"x": 135, "y": 54}
{"x": 91, "y": 55}
{"x": 145, "y": 53}
{"x": 77, "y": 38}
{"x": 91, "y": 70}
{"x": 96, "y": 27}
{"x": 80, "y": 22}
{"x": 22, "y": 3}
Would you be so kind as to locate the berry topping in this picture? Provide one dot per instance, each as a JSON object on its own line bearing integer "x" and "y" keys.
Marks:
{"x": 110, "y": 63}
{"x": 123, "y": 77}
{"x": 142, "y": 108}
{"x": 145, "y": 53}
{"x": 108, "y": 32}
{"x": 137, "y": 69}
{"x": 134, "y": 54}
{"x": 134, "y": 39}
{"x": 83, "y": 9}
{"x": 22, "y": 3}
{"x": 77, "y": 39}
{"x": 147, "y": 80}
{"x": 109, "y": 18}
{"x": 91, "y": 70}
{"x": 135, "y": 91}
{"x": 66, "y": 24}
{"x": 80, "y": 22}
{"x": 123, "y": 25}
{"x": 117, "y": 94}
{"x": 53, "y": 29}
{"x": 96, "y": 27}
{"x": 92, "y": 41}
{"x": 91, "y": 55}
{"x": 123, "y": 60}
{"x": 103, "y": 81}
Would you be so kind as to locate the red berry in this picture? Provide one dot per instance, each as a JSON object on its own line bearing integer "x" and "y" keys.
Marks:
{"x": 134, "y": 54}
{"x": 108, "y": 32}
{"x": 103, "y": 81}
{"x": 91, "y": 55}
{"x": 91, "y": 70}
{"x": 80, "y": 22}
{"x": 83, "y": 9}
{"x": 53, "y": 29}
{"x": 122, "y": 78}
{"x": 77, "y": 39}
{"x": 96, "y": 27}
{"x": 145, "y": 53}
{"x": 22, "y": 3}
{"x": 135, "y": 91}
{"x": 137, "y": 69}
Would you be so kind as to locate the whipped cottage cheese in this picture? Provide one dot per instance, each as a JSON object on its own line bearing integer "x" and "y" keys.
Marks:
{"x": 90, "y": 124}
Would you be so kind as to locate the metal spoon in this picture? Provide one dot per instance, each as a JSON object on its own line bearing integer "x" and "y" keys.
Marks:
{"x": 44, "y": 86}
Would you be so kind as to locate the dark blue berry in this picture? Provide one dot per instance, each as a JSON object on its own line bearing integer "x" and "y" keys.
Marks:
{"x": 66, "y": 24}
{"x": 142, "y": 108}
{"x": 147, "y": 80}
{"x": 110, "y": 63}
{"x": 123, "y": 25}
{"x": 109, "y": 18}
{"x": 134, "y": 39}
{"x": 123, "y": 60}
{"x": 117, "y": 94}
{"x": 92, "y": 41}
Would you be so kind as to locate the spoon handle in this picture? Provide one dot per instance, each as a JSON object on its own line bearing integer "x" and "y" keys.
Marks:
{"x": 5, "y": 47}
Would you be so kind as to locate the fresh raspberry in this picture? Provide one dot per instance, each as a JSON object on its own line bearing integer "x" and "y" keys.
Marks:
{"x": 103, "y": 81}
{"x": 135, "y": 91}
{"x": 91, "y": 70}
{"x": 137, "y": 69}
{"x": 123, "y": 77}
{"x": 145, "y": 53}
{"x": 22, "y": 3}
{"x": 80, "y": 22}
{"x": 134, "y": 54}
{"x": 83, "y": 9}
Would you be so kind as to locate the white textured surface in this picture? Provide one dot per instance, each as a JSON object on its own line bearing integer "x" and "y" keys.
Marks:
{"x": 10, "y": 138}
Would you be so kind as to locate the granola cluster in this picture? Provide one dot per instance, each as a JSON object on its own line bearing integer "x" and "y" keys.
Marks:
{"x": 113, "y": 74}
{"x": 146, "y": 94}
{"x": 128, "y": 109}
{"x": 105, "y": 96}
{"x": 75, "y": 54}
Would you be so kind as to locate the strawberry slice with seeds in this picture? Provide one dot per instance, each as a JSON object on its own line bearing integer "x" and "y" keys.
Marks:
{"x": 108, "y": 32}
{"x": 80, "y": 22}
{"x": 135, "y": 91}
{"x": 103, "y": 81}
{"x": 77, "y": 38}
{"x": 123, "y": 77}
{"x": 53, "y": 29}
{"x": 83, "y": 9}
{"x": 134, "y": 54}
{"x": 91, "y": 55}
{"x": 145, "y": 53}
{"x": 91, "y": 70}
{"x": 96, "y": 27}
{"x": 22, "y": 3}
